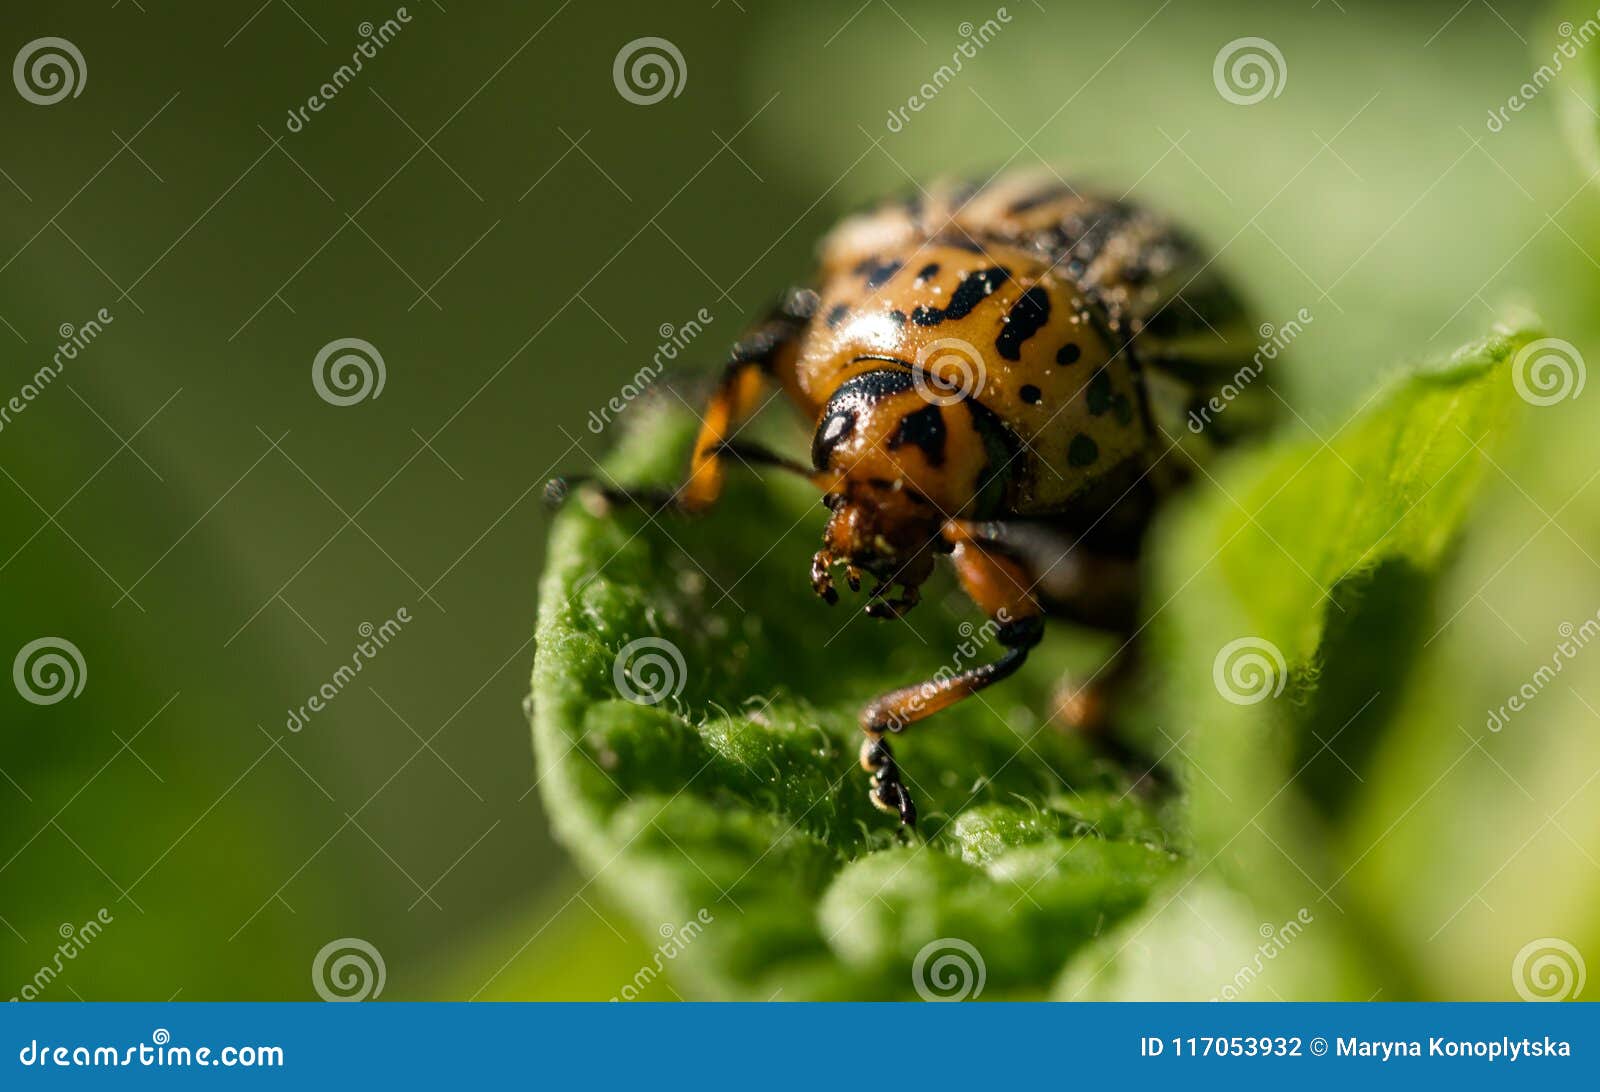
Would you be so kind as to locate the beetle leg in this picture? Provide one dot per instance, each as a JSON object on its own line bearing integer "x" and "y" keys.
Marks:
{"x": 822, "y": 577}
{"x": 888, "y": 793}
{"x": 881, "y": 607}
{"x": 1080, "y": 584}
{"x": 1085, "y": 708}
{"x": 1072, "y": 578}
{"x": 1092, "y": 588}
{"x": 1000, "y": 587}
{"x": 766, "y": 353}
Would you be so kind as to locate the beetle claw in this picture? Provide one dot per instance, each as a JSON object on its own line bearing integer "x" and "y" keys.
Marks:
{"x": 909, "y": 597}
{"x": 822, "y": 577}
{"x": 887, "y": 793}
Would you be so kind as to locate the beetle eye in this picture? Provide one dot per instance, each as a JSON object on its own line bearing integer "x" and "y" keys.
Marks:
{"x": 834, "y": 428}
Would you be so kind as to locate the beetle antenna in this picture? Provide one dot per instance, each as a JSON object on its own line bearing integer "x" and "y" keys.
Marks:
{"x": 559, "y": 489}
{"x": 755, "y": 453}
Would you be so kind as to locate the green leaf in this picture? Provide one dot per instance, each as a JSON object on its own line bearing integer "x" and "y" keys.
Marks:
{"x": 741, "y": 796}
{"x": 736, "y": 801}
{"x": 1317, "y": 558}
{"x": 1576, "y": 86}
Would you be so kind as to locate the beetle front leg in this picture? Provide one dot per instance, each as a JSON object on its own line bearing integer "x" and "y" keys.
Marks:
{"x": 998, "y": 585}
{"x": 888, "y": 793}
{"x": 1082, "y": 585}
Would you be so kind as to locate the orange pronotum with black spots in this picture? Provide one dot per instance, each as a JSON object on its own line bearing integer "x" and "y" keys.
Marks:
{"x": 1003, "y": 374}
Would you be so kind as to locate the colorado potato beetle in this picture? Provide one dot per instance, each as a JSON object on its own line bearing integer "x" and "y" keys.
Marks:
{"x": 1004, "y": 374}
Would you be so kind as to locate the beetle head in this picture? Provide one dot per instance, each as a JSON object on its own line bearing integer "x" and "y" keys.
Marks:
{"x": 894, "y": 465}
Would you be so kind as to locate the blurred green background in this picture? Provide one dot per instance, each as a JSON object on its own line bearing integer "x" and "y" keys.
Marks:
{"x": 483, "y": 206}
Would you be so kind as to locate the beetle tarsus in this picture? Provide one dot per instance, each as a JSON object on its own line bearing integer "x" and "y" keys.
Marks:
{"x": 822, "y": 577}
{"x": 887, "y": 792}
{"x": 880, "y": 607}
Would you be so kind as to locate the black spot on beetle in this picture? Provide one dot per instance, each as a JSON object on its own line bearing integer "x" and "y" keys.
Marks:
{"x": 974, "y": 288}
{"x": 1099, "y": 394}
{"x": 923, "y": 429}
{"x": 1031, "y": 394}
{"x": 927, "y": 271}
{"x": 898, "y": 317}
{"x": 1068, "y": 353}
{"x": 1001, "y": 448}
{"x": 836, "y": 314}
{"x": 1025, "y": 318}
{"x": 1082, "y": 451}
{"x": 878, "y": 272}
